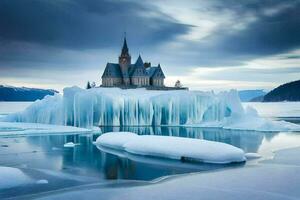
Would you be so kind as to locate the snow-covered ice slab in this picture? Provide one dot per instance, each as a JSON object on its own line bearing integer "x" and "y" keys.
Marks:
{"x": 172, "y": 147}
{"x": 12, "y": 177}
{"x": 249, "y": 120}
{"x": 14, "y": 128}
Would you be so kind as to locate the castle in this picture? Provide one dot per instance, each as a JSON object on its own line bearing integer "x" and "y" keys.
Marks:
{"x": 126, "y": 74}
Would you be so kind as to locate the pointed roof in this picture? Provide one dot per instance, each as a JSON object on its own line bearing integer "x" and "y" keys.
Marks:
{"x": 112, "y": 70}
{"x": 125, "y": 47}
{"x": 151, "y": 71}
{"x": 139, "y": 62}
{"x": 155, "y": 72}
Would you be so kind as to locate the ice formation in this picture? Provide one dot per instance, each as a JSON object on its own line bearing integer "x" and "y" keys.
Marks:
{"x": 10, "y": 128}
{"x": 113, "y": 106}
{"x": 118, "y": 107}
{"x": 178, "y": 148}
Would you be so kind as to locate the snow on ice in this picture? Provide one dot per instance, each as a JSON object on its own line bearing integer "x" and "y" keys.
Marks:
{"x": 11, "y": 128}
{"x": 172, "y": 147}
{"x": 114, "y": 106}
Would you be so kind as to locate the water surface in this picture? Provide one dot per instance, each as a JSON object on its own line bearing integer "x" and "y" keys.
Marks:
{"x": 45, "y": 157}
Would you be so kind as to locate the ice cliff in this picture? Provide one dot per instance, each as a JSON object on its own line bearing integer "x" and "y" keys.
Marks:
{"x": 116, "y": 107}
{"x": 113, "y": 106}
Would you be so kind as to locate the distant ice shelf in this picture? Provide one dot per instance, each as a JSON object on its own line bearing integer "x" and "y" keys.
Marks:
{"x": 116, "y": 107}
{"x": 178, "y": 148}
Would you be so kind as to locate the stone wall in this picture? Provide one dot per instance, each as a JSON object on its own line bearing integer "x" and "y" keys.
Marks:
{"x": 140, "y": 81}
{"x": 108, "y": 82}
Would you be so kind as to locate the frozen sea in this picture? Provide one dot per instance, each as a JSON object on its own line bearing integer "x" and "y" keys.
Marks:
{"x": 49, "y": 167}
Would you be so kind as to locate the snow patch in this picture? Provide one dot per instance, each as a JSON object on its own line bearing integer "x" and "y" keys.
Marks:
{"x": 172, "y": 147}
{"x": 12, "y": 128}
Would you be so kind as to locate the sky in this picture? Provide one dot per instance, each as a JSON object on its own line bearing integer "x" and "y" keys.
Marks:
{"x": 206, "y": 44}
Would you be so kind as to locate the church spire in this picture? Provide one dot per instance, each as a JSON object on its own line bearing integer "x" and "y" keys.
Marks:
{"x": 125, "y": 47}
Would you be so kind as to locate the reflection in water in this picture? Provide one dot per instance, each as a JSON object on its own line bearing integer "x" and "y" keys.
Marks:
{"x": 85, "y": 159}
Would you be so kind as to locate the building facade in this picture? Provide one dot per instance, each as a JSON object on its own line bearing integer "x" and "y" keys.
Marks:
{"x": 125, "y": 74}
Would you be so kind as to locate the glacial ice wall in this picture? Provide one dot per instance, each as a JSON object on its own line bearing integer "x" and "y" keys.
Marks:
{"x": 115, "y": 107}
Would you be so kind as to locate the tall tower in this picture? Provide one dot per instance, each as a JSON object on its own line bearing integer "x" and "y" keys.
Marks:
{"x": 124, "y": 62}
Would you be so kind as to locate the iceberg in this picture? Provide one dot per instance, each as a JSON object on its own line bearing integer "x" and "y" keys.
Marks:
{"x": 117, "y": 107}
{"x": 140, "y": 107}
{"x": 178, "y": 148}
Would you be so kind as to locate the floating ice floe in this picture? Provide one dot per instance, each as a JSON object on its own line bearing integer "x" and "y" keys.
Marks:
{"x": 252, "y": 156}
{"x": 116, "y": 107}
{"x": 172, "y": 147}
{"x": 69, "y": 144}
{"x": 12, "y": 177}
{"x": 12, "y": 128}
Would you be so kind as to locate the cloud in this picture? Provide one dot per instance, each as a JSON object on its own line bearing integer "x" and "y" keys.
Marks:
{"x": 292, "y": 57}
{"x": 241, "y": 31}
{"x": 83, "y": 24}
{"x": 40, "y": 39}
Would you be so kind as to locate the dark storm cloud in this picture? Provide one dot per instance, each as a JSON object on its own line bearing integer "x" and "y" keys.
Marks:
{"x": 83, "y": 24}
{"x": 44, "y": 37}
{"x": 276, "y": 28}
{"x": 95, "y": 24}
{"x": 270, "y": 33}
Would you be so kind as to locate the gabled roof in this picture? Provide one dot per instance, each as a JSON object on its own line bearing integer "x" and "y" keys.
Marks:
{"x": 112, "y": 70}
{"x": 151, "y": 71}
{"x": 138, "y": 68}
{"x": 139, "y": 62}
{"x": 159, "y": 72}
{"x": 155, "y": 72}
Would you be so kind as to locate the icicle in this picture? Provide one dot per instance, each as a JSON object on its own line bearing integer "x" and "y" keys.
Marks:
{"x": 113, "y": 106}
